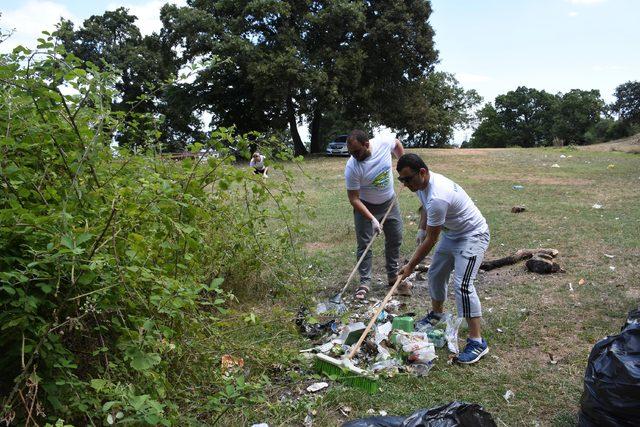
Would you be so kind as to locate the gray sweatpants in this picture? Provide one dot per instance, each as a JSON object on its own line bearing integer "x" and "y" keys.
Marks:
{"x": 463, "y": 257}
{"x": 392, "y": 229}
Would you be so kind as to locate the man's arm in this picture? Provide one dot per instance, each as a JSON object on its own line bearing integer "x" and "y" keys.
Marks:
{"x": 422, "y": 225}
{"x": 398, "y": 149}
{"x": 354, "y": 199}
{"x": 422, "y": 250}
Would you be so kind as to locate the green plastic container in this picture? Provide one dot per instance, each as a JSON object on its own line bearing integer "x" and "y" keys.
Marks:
{"x": 403, "y": 323}
{"x": 437, "y": 338}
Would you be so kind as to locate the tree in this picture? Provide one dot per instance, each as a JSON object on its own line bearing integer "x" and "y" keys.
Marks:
{"x": 436, "y": 109}
{"x": 627, "y": 104}
{"x": 527, "y": 115}
{"x": 490, "y": 131}
{"x": 144, "y": 64}
{"x": 285, "y": 60}
{"x": 577, "y": 111}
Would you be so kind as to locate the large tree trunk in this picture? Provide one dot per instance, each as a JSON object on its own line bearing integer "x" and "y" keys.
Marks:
{"x": 298, "y": 147}
{"x": 316, "y": 144}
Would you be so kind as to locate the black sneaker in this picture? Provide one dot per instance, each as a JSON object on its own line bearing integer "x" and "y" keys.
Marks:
{"x": 429, "y": 321}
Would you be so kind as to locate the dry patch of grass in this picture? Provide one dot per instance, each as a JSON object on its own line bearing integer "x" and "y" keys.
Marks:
{"x": 630, "y": 145}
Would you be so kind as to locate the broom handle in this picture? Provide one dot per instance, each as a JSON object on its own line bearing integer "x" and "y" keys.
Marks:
{"x": 386, "y": 299}
{"x": 384, "y": 218}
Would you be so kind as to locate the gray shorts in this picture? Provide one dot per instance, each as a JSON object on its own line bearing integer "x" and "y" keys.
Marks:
{"x": 463, "y": 257}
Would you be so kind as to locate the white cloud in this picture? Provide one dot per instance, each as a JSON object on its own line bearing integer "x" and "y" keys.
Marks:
{"x": 468, "y": 78}
{"x": 29, "y": 20}
{"x": 35, "y": 16}
{"x": 586, "y": 1}
{"x": 573, "y": 14}
{"x": 148, "y": 14}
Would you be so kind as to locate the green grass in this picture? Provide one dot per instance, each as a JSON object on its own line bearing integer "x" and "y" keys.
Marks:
{"x": 538, "y": 315}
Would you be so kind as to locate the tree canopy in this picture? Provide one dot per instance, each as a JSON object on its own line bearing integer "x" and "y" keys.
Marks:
{"x": 112, "y": 40}
{"x": 282, "y": 61}
{"x": 529, "y": 117}
{"x": 627, "y": 104}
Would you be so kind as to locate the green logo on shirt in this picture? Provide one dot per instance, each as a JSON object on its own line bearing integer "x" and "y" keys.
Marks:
{"x": 382, "y": 180}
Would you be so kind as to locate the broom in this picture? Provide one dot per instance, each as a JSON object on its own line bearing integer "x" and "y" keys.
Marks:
{"x": 343, "y": 369}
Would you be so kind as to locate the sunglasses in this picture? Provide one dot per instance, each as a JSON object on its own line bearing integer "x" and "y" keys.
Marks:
{"x": 407, "y": 179}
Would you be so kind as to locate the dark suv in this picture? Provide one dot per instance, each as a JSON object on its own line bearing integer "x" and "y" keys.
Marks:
{"x": 338, "y": 147}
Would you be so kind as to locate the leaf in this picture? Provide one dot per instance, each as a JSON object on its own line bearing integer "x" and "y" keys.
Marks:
{"x": 108, "y": 405}
{"x": 229, "y": 390}
{"x": 67, "y": 241}
{"x": 46, "y": 288}
{"x": 83, "y": 237}
{"x": 22, "y": 49}
{"x": 110, "y": 419}
{"x": 138, "y": 402}
{"x": 8, "y": 289}
{"x": 143, "y": 361}
{"x": 98, "y": 384}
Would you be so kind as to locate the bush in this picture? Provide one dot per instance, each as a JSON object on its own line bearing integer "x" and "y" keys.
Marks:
{"x": 116, "y": 267}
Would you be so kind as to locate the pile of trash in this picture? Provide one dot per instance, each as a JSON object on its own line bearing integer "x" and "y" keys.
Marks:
{"x": 392, "y": 346}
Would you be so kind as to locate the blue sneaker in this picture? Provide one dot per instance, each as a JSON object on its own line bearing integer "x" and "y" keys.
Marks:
{"x": 473, "y": 352}
{"x": 429, "y": 321}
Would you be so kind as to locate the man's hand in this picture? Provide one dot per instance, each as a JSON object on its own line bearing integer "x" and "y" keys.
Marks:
{"x": 420, "y": 236}
{"x": 376, "y": 226}
{"x": 405, "y": 271}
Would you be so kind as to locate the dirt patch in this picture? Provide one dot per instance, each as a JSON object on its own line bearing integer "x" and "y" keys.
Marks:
{"x": 317, "y": 246}
{"x": 630, "y": 144}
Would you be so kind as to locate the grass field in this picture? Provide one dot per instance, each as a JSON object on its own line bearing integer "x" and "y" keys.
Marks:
{"x": 546, "y": 329}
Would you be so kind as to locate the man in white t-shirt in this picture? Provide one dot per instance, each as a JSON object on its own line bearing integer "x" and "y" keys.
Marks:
{"x": 369, "y": 182}
{"x": 449, "y": 213}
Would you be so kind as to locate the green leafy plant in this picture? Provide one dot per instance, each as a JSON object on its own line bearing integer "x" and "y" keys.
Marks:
{"x": 116, "y": 266}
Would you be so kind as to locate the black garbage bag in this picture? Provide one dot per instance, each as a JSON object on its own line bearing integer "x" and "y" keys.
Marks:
{"x": 454, "y": 414}
{"x": 611, "y": 395}
{"x": 386, "y": 421}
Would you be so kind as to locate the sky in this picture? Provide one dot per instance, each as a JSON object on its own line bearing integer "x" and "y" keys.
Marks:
{"x": 492, "y": 46}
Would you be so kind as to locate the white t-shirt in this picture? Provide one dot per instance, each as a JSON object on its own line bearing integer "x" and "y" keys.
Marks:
{"x": 258, "y": 165}
{"x": 447, "y": 204}
{"x": 372, "y": 176}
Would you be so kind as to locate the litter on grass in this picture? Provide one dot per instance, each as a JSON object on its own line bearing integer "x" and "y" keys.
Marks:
{"x": 388, "y": 350}
{"x": 317, "y": 387}
{"x": 508, "y": 395}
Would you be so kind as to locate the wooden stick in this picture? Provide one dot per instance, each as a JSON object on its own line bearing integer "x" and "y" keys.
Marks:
{"x": 384, "y": 218}
{"x": 386, "y": 299}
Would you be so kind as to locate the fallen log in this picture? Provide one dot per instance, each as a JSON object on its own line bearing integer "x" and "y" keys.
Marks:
{"x": 520, "y": 255}
{"x": 542, "y": 265}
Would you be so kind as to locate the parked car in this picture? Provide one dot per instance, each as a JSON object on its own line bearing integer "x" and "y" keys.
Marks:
{"x": 338, "y": 147}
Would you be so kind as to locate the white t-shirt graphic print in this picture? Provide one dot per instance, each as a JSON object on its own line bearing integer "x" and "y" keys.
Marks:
{"x": 373, "y": 176}
{"x": 447, "y": 204}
